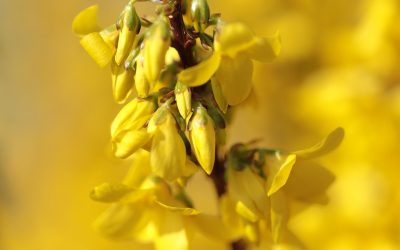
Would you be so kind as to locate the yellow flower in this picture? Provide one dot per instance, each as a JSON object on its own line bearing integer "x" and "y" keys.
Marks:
{"x": 127, "y": 132}
{"x": 145, "y": 209}
{"x": 202, "y": 136}
{"x": 231, "y": 63}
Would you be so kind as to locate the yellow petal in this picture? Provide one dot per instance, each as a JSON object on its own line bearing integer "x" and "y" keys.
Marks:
{"x": 121, "y": 221}
{"x": 168, "y": 153}
{"x": 107, "y": 192}
{"x": 252, "y": 232}
{"x": 325, "y": 146}
{"x": 132, "y": 116}
{"x": 245, "y": 212}
{"x": 235, "y": 77}
{"x": 202, "y": 136}
{"x": 212, "y": 227}
{"x": 97, "y": 48}
{"x": 218, "y": 95}
{"x": 279, "y": 215}
{"x": 172, "y": 233}
{"x": 234, "y": 38}
{"x": 247, "y": 190}
{"x": 128, "y": 141}
{"x": 230, "y": 217}
{"x": 200, "y": 73}
{"x": 308, "y": 181}
{"x": 265, "y": 49}
{"x": 190, "y": 168}
{"x": 86, "y": 21}
{"x": 139, "y": 169}
{"x": 122, "y": 82}
{"x": 278, "y": 169}
{"x": 187, "y": 211}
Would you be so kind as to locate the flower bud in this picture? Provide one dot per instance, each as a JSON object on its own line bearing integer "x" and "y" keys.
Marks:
{"x": 122, "y": 82}
{"x": 130, "y": 26}
{"x": 200, "y": 14}
{"x": 142, "y": 85}
{"x": 183, "y": 99}
{"x": 132, "y": 116}
{"x": 202, "y": 136}
{"x": 156, "y": 45}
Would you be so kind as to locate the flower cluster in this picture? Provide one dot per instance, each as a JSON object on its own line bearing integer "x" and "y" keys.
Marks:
{"x": 177, "y": 75}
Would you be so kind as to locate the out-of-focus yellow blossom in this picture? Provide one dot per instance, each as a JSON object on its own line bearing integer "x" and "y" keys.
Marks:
{"x": 143, "y": 208}
{"x": 258, "y": 201}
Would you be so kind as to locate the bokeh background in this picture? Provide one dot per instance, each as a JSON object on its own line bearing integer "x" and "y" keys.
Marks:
{"x": 339, "y": 67}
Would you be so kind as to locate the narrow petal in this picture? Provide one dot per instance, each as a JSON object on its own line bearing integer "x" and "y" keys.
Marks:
{"x": 86, "y": 21}
{"x": 201, "y": 73}
{"x": 100, "y": 51}
{"x": 279, "y": 215}
{"x": 107, "y": 192}
{"x": 325, "y": 146}
{"x": 278, "y": 170}
{"x": 173, "y": 207}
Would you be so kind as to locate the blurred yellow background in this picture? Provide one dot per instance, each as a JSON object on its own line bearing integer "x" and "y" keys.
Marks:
{"x": 338, "y": 67}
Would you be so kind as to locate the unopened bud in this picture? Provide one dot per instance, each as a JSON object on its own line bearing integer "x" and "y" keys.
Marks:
{"x": 130, "y": 26}
{"x": 122, "y": 82}
{"x": 183, "y": 99}
{"x": 142, "y": 85}
{"x": 202, "y": 136}
{"x": 200, "y": 14}
{"x": 156, "y": 45}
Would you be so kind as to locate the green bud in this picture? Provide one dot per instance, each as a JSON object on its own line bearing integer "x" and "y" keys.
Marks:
{"x": 200, "y": 14}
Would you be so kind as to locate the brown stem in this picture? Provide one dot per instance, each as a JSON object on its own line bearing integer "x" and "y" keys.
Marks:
{"x": 183, "y": 41}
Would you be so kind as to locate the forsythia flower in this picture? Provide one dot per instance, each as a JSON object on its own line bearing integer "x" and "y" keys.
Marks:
{"x": 185, "y": 80}
{"x": 258, "y": 199}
